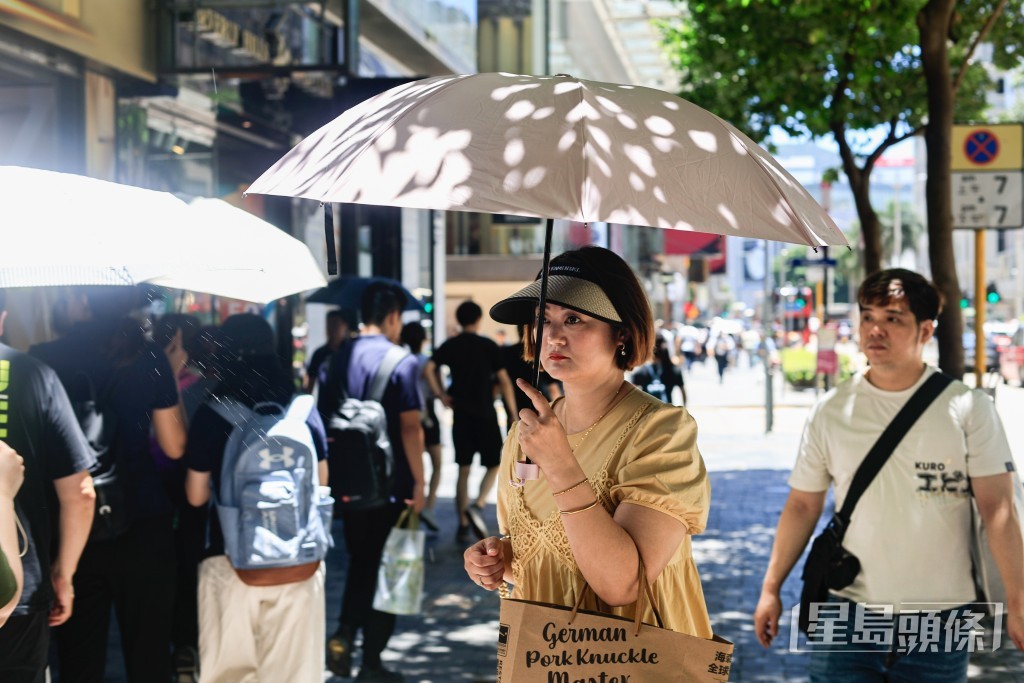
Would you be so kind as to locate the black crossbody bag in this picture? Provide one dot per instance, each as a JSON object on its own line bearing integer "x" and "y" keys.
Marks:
{"x": 829, "y": 565}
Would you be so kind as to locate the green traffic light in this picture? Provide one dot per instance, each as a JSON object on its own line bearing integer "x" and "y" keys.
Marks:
{"x": 964, "y": 303}
{"x": 992, "y": 297}
{"x": 801, "y": 303}
{"x": 428, "y": 307}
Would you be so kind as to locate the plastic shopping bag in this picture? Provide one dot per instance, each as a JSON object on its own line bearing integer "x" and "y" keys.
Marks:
{"x": 400, "y": 577}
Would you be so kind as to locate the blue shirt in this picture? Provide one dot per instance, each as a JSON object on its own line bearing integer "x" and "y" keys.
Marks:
{"x": 364, "y": 355}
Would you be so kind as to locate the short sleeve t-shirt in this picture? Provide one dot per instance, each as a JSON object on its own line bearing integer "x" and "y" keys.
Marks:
{"x": 36, "y": 420}
{"x": 355, "y": 364}
{"x": 920, "y": 501}
{"x": 136, "y": 390}
{"x": 473, "y": 361}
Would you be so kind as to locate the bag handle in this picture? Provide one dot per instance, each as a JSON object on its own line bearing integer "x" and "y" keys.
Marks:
{"x": 409, "y": 519}
{"x": 643, "y": 590}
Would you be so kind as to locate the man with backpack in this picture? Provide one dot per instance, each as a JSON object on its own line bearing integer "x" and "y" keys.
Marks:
{"x": 37, "y": 421}
{"x": 117, "y": 379}
{"x": 353, "y": 377}
{"x": 260, "y": 451}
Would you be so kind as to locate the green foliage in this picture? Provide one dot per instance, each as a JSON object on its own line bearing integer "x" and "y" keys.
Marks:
{"x": 809, "y": 66}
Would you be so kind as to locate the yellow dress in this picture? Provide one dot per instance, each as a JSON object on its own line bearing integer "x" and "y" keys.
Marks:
{"x": 643, "y": 452}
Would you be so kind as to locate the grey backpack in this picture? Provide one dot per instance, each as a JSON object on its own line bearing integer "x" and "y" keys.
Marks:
{"x": 272, "y": 509}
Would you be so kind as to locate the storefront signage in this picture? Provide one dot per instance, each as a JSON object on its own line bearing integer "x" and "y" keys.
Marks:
{"x": 215, "y": 28}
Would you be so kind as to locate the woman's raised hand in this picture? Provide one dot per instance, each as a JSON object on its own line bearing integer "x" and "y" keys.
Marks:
{"x": 541, "y": 435}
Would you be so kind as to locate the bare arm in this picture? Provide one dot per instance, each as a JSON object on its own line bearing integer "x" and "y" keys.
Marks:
{"x": 169, "y": 425}
{"x": 197, "y": 487}
{"x": 412, "y": 442}
{"x": 607, "y": 548}
{"x": 9, "y": 547}
{"x": 796, "y": 524}
{"x": 995, "y": 504}
{"x": 12, "y": 474}
{"x": 322, "y": 472}
{"x": 432, "y": 373}
{"x": 507, "y": 391}
{"x": 77, "y": 503}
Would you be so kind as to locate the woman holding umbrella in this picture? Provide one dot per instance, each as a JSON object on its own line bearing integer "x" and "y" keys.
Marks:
{"x": 621, "y": 477}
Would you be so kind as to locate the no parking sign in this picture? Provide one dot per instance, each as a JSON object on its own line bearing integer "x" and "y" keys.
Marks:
{"x": 988, "y": 182}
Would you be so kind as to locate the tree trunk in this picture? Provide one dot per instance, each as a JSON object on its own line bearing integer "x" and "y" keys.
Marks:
{"x": 870, "y": 226}
{"x": 933, "y": 23}
{"x": 860, "y": 186}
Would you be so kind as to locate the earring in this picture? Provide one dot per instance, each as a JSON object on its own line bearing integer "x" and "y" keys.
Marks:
{"x": 622, "y": 349}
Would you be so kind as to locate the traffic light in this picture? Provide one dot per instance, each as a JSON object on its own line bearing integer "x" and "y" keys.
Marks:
{"x": 992, "y": 294}
{"x": 965, "y": 300}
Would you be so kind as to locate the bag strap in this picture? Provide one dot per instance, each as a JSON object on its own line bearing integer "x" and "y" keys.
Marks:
{"x": 391, "y": 360}
{"x": 300, "y": 408}
{"x": 887, "y": 442}
{"x": 643, "y": 590}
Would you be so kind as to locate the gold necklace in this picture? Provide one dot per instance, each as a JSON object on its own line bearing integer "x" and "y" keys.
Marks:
{"x": 611, "y": 404}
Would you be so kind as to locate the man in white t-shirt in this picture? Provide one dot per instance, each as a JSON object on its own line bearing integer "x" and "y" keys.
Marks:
{"x": 911, "y": 530}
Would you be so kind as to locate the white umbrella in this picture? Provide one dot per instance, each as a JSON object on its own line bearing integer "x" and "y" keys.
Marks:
{"x": 66, "y": 229}
{"x": 260, "y": 263}
{"x": 552, "y": 147}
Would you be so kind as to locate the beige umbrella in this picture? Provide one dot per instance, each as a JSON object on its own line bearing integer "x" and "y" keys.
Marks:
{"x": 551, "y": 147}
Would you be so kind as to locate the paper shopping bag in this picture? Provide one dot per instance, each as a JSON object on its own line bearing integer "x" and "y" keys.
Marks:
{"x": 545, "y": 643}
{"x": 400, "y": 576}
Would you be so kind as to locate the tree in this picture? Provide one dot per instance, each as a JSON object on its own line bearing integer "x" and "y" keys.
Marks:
{"x": 853, "y": 70}
{"x": 950, "y": 34}
{"x": 910, "y": 230}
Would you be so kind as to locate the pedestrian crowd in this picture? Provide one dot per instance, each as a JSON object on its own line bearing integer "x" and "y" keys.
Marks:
{"x": 183, "y": 480}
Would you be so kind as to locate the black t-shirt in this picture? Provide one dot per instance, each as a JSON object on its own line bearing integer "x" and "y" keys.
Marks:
{"x": 517, "y": 368}
{"x": 136, "y": 390}
{"x": 668, "y": 377}
{"x": 473, "y": 361}
{"x": 316, "y": 362}
{"x": 355, "y": 364}
{"x": 36, "y": 419}
{"x": 209, "y": 432}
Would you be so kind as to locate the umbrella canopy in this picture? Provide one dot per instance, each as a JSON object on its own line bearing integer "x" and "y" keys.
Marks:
{"x": 346, "y": 292}
{"x": 552, "y": 147}
{"x": 66, "y": 229}
{"x": 259, "y": 262}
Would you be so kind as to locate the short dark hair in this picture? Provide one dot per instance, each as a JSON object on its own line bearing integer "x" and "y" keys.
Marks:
{"x": 336, "y": 316}
{"x": 381, "y": 299}
{"x": 413, "y": 336}
{"x": 627, "y": 295}
{"x": 468, "y": 313}
{"x": 899, "y": 284}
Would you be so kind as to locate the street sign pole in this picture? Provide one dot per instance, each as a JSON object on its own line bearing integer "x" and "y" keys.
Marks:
{"x": 980, "y": 352}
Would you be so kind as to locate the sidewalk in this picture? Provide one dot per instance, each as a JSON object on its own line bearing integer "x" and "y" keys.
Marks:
{"x": 454, "y": 640}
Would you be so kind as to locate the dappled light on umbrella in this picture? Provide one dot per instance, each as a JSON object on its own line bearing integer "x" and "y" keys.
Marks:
{"x": 552, "y": 147}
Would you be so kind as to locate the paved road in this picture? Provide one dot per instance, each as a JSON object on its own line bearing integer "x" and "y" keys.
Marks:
{"x": 453, "y": 640}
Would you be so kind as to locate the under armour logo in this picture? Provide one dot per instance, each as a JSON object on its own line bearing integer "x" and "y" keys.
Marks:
{"x": 283, "y": 459}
